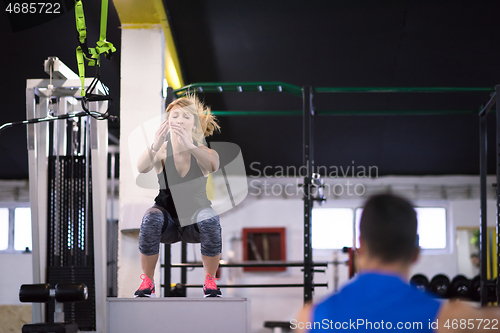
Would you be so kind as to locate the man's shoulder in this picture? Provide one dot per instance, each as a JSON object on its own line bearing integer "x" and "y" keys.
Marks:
{"x": 376, "y": 286}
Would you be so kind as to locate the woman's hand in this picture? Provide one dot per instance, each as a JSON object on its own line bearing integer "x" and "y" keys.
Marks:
{"x": 182, "y": 136}
{"x": 161, "y": 135}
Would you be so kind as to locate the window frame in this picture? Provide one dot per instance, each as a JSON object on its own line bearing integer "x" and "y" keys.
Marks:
{"x": 418, "y": 204}
{"x": 11, "y": 206}
{"x": 353, "y": 226}
{"x": 449, "y": 230}
{"x": 349, "y": 204}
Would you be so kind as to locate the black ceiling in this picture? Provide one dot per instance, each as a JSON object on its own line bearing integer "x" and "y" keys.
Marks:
{"x": 355, "y": 43}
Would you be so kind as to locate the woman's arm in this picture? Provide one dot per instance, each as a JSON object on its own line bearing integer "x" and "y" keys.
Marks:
{"x": 150, "y": 159}
{"x": 146, "y": 161}
{"x": 207, "y": 158}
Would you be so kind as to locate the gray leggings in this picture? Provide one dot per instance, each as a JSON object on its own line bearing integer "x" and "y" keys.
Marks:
{"x": 158, "y": 226}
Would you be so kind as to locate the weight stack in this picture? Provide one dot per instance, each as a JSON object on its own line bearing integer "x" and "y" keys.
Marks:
{"x": 81, "y": 313}
{"x": 70, "y": 245}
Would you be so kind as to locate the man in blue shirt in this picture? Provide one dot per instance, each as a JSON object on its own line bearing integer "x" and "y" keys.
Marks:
{"x": 379, "y": 297}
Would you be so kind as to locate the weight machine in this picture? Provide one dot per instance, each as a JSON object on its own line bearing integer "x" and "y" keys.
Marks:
{"x": 67, "y": 155}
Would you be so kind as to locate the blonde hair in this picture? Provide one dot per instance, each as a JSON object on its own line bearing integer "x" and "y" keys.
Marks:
{"x": 205, "y": 118}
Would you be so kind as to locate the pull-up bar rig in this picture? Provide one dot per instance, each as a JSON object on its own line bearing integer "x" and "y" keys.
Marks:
{"x": 485, "y": 284}
{"x": 308, "y": 112}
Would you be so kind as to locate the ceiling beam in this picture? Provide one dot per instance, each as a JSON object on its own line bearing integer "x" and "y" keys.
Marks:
{"x": 146, "y": 14}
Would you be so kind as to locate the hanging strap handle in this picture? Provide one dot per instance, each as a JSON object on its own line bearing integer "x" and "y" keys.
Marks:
{"x": 102, "y": 46}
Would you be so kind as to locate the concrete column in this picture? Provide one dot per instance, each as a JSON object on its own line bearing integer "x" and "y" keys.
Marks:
{"x": 142, "y": 105}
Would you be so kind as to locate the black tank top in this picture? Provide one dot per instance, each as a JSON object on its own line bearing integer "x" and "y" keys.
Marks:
{"x": 190, "y": 191}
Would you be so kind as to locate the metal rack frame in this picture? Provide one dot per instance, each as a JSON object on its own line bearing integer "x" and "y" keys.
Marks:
{"x": 308, "y": 112}
{"x": 483, "y": 121}
{"x": 38, "y": 118}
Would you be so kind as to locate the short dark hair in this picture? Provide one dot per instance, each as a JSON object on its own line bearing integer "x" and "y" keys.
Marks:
{"x": 389, "y": 228}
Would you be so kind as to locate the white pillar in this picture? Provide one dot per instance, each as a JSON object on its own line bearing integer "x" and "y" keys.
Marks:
{"x": 142, "y": 104}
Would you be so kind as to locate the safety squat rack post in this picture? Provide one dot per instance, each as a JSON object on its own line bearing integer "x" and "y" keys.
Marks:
{"x": 486, "y": 285}
{"x": 308, "y": 112}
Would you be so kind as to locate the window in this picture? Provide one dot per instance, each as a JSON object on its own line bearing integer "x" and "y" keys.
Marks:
{"x": 431, "y": 227}
{"x": 332, "y": 228}
{"x": 15, "y": 228}
{"x": 22, "y": 229}
{"x": 359, "y": 211}
{"x": 4, "y": 228}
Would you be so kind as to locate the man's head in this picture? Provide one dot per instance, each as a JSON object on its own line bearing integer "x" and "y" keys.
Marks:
{"x": 474, "y": 258}
{"x": 388, "y": 231}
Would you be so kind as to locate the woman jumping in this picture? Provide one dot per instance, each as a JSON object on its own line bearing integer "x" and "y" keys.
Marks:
{"x": 182, "y": 211}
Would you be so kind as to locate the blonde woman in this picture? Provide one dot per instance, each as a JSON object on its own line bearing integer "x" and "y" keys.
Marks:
{"x": 182, "y": 211}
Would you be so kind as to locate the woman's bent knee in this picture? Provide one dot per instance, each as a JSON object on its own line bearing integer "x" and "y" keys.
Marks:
{"x": 149, "y": 250}
{"x": 153, "y": 218}
{"x": 210, "y": 237}
{"x": 150, "y": 232}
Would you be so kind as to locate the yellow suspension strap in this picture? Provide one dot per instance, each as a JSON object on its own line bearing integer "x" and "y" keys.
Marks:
{"x": 92, "y": 55}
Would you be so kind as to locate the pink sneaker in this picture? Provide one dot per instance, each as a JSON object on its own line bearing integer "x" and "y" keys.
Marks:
{"x": 147, "y": 288}
{"x": 210, "y": 288}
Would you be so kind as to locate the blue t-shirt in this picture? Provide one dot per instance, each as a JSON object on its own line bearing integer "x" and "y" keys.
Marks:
{"x": 373, "y": 302}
